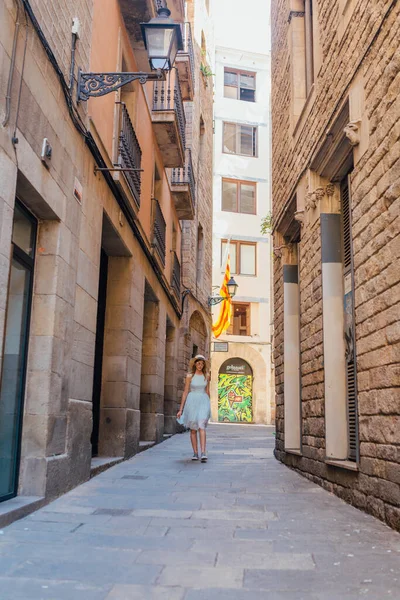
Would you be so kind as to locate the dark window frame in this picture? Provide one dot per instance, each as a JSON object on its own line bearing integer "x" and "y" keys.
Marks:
{"x": 238, "y": 73}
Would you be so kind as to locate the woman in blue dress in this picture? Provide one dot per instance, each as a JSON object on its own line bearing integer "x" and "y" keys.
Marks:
{"x": 194, "y": 411}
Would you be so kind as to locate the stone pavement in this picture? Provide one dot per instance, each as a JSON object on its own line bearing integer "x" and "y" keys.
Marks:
{"x": 159, "y": 527}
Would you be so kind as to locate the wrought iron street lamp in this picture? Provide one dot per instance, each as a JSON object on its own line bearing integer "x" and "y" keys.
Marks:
{"x": 232, "y": 289}
{"x": 162, "y": 39}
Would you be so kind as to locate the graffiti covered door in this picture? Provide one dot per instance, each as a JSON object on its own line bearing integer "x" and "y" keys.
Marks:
{"x": 235, "y": 392}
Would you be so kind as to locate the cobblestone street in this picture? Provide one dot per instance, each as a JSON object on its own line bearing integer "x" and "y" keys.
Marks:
{"x": 242, "y": 527}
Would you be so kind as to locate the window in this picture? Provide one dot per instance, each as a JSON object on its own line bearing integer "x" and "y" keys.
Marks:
{"x": 240, "y": 319}
{"x": 240, "y": 139}
{"x": 239, "y": 196}
{"x": 239, "y": 85}
{"x": 242, "y": 255}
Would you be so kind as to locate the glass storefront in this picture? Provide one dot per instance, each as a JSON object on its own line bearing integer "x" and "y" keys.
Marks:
{"x": 12, "y": 383}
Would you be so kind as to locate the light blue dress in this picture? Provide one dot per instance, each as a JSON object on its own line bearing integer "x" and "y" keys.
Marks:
{"x": 197, "y": 410}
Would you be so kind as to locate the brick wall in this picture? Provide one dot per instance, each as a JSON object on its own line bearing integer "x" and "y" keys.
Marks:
{"x": 55, "y": 19}
{"x": 370, "y": 48}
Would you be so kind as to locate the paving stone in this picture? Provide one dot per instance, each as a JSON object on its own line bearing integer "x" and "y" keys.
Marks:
{"x": 277, "y": 561}
{"x": 141, "y": 592}
{"x": 221, "y": 594}
{"x": 89, "y": 571}
{"x": 36, "y": 589}
{"x": 172, "y": 557}
{"x": 202, "y": 577}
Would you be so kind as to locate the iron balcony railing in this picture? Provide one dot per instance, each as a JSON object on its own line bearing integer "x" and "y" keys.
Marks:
{"x": 185, "y": 175}
{"x": 167, "y": 97}
{"x": 159, "y": 231}
{"x": 188, "y": 47}
{"x": 176, "y": 276}
{"x": 130, "y": 154}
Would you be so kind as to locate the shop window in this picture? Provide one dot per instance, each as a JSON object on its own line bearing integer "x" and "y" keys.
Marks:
{"x": 240, "y": 139}
{"x": 239, "y": 196}
{"x": 239, "y": 85}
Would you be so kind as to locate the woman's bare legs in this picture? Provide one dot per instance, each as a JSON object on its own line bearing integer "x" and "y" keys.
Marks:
{"x": 202, "y": 433}
{"x": 193, "y": 439}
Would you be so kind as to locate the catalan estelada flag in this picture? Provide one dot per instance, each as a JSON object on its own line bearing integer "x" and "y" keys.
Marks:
{"x": 224, "y": 318}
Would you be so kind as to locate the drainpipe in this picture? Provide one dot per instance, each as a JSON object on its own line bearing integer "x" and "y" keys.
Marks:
{"x": 11, "y": 73}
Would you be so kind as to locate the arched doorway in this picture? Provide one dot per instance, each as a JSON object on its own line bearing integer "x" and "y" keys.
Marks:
{"x": 235, "y": 392}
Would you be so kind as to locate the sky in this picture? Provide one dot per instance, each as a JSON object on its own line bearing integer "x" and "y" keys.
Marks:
{"x": 242, "y": 24}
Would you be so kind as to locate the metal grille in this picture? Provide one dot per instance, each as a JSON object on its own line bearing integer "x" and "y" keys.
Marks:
{"x": 352, "y": 410}
{"x": 345, "y": 197}
{"x": 159, "y": 230}
{"x": 130, "y": 154}
{"x": 167, "y": 96}
{"x": 176, "y": 276}
{"x": 185, "y": 175}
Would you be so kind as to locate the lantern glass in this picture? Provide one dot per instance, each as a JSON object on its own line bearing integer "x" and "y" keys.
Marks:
{"x": 232, "y": 287}
{"x": 158, "y": 44}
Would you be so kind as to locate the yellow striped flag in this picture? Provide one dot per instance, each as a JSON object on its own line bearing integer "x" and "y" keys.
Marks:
{"x": 224, "y": 318}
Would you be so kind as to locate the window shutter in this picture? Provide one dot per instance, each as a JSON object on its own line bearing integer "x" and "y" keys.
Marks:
{"x": 345, "y": 198}
{"x": 351, "y": 366}
{"x": 248, "y": 319}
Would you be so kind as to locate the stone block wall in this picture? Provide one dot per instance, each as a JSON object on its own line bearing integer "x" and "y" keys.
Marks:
{"x": 366, "y": 51}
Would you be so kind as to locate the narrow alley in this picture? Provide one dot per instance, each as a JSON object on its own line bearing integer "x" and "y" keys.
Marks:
{"x": 243, "y": 527}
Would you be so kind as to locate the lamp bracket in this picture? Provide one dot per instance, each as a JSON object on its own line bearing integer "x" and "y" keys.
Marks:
{"x": 212, "y": 300}
{"x": 100, "y": 84}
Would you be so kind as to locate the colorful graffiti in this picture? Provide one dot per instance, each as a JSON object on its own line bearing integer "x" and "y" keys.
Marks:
{"x": 235, "y": 398}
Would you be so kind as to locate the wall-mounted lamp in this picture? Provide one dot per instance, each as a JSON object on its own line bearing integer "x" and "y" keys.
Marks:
{"x": 232, "y": 289}
{"x": 162, "y": 39}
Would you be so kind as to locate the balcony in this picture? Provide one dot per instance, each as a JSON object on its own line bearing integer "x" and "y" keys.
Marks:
{"x": 159, "y": 232}
{"x": 169, "y": 121}
{"x": 183, "y": 188}
{"x": 176, "y": 277}
{"x": 185, "y": 62}
{"x": 129, "y": 156}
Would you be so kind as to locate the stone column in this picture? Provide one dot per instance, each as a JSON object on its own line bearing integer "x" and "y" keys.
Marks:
{"x": 291, "y": 326}
{"x": 171, "y": 400}
{"x": 120, "y": 397}
{"x": 334, "y": 343}
{"x": 153, "y": 370}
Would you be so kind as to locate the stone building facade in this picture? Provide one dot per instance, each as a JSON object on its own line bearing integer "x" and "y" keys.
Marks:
{"x": 336, "y": 227}
{"x": 241, "y": 382}
{"x": 92, "y": 258}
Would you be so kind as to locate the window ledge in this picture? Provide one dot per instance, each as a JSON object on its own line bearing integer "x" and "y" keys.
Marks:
{"x": 342, "y": 464}
{"x": 293, "y": 451}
